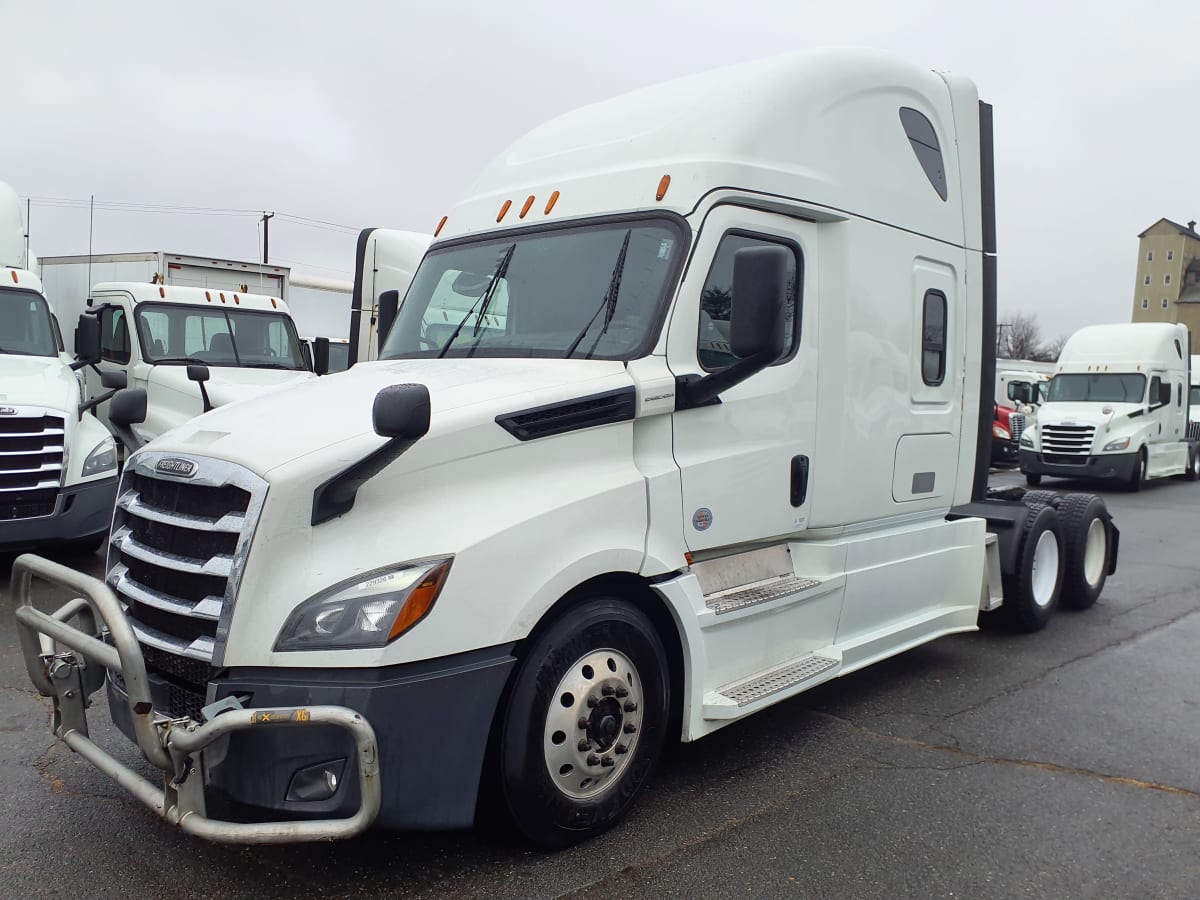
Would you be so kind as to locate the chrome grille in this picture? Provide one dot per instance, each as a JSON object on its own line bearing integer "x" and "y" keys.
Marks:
{"x": 176, "y": 554}
{"x": 32, "y": 459}
{"x": 1016, "y": 425}
{"x": 1068, "y": 440}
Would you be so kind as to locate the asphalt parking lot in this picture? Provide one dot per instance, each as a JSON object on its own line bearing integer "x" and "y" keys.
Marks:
{"x": 1064, "y": 764}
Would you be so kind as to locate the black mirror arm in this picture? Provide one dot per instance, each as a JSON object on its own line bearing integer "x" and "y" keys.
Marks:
{"x": 204, "y": 396}
{"x": 692, "y": 391}
{"x": 89, "y": 405}
{"x": 128, "y": 438}
{"x": 336, "y": 496}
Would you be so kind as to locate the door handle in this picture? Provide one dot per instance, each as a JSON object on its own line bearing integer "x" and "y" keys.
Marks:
{"x": 799, "y": 482}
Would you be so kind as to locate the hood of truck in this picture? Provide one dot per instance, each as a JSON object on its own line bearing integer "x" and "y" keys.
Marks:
{"x": 225, "y": 384}
{"x": 1089, "y": 413}
{"x": 267, "y": 432}
{"x": 44, "y": 381}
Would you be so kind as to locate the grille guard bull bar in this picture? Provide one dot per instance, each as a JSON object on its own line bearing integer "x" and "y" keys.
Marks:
{"x": 176, "y": 746}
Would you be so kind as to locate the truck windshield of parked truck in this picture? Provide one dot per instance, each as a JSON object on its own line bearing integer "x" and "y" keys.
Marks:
{"x": 595, "y": 292}
{"x": 25, "y": 325}
{"x": 1100, "y": 388}
{"x": 172, "y": 333}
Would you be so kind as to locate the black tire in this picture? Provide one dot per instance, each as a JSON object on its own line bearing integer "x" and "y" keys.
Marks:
{"x": 1079, "y": 512}
{"x": 1042, "y": 498}
{"x": 1138, "y": 478}
{"x": 1021, "y": 607}
{"x": 1193, "y": 469}
{"x": 1032, "y": 480}
{"x": 528, "y": 795}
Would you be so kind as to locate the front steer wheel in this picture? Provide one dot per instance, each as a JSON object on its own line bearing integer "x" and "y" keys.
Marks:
{"x": 584, "y": 723}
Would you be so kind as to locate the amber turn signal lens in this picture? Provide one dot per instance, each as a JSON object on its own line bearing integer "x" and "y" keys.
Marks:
{"x": 441, "y": 225}
{"x": 550, "y": 203}
{"x": 663, "y": 184}
{"x": 420, "y": 601}
{"x": 504, "y": 210}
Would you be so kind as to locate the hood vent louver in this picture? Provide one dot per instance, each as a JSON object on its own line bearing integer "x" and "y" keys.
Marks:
{"x": 570, "y": 415}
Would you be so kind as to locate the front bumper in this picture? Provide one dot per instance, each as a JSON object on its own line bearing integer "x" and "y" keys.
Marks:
{"x": 1004, "y": 451}
{"x": 83, "y": 511}
{"x": 432, "y": 721}
{"x": 1109, "y": 466}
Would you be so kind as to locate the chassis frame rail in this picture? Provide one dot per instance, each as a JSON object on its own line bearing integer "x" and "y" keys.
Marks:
{"x": 176, "y": 746}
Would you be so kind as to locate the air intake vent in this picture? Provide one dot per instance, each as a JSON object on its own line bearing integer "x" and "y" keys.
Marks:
{"x": 570, "y": 415}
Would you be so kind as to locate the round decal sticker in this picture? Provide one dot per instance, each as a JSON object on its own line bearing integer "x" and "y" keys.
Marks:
{"x": 702, "y": 518}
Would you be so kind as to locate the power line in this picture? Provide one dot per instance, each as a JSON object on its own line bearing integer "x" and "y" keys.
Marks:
{"x": 162, "y": 208}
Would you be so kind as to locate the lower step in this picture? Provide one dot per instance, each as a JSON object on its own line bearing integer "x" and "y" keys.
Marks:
{"x": 729, "y": 700}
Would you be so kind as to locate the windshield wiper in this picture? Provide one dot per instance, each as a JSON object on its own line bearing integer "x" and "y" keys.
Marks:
{"x": 608, "y": 304}
{"x": 182, "y": 360}
{"x": 268, "y": 365}
{"x": 485, "y": 298}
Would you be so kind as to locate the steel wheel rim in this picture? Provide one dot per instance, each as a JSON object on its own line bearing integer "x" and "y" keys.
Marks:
{"x": 1095, "y": 550}
{"x": 1044, "y": 577}
{"x": 593, "y": 724}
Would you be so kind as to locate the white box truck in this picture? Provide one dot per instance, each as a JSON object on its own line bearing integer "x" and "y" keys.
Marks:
{"x": 1117, "y": 408}
{"x": 58, "y": 464}
{"x": 709, "y": 425}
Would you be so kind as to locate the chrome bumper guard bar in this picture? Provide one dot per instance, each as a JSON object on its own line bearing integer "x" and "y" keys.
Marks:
{"x": 176, "y": 746}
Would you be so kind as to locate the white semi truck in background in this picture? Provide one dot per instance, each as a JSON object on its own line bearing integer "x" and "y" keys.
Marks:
{"x": 647, "y": 449}
{"x": 1117, "y": 408}
{"x": 58, "y": 464}
{"x": 385, "y": 262}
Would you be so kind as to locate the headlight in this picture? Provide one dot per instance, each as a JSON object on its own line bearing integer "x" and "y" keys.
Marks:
{"x": 1026, "y": 440}
{"x": 370, "y": 610}
{"x": 102, "y": 459}
{"x": 1117, "y": 445}
{"x": 999, "y": 431}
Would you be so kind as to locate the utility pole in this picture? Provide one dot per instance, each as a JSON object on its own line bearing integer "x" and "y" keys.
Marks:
{"x": 266, "y": 223}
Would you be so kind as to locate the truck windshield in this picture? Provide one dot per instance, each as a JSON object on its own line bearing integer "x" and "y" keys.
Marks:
{"x": 1194, "y": 395}
{"x": 594, "y": 291}
{"x": 248, "y": 339}
{"x": 1102, "y": 388}
{"x": 25, "y": 325}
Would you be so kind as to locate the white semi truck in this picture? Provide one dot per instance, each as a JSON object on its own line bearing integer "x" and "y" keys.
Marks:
{"x": 686, "y": 411}
{"x": 58, "y": 464}
{"x": 385, "y": 262}
{"x": 1194, "y": 401}
{"x": 1117, "y": 408}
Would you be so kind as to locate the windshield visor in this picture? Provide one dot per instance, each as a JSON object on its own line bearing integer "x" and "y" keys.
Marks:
{"x": 595, "y": 292}
{"x": 25, "y": 327}
{"x": 1098, "y": 388}
{"x": 172, "y": 333}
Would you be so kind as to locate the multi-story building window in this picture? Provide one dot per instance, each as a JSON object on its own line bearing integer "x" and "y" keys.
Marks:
{"x": 1170, "y": 255}
{"x": 1145, "y": 303}
{"x": 1146, "y": 280}
{"x": 1149, "y": 256}
{"x": 1167, "y": 279}
{"x": 1166, "y": 302}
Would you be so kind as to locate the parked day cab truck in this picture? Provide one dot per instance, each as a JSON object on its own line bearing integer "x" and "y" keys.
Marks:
{"x": 58, "y": 464}
{"x": 687, "y": 410}
{"x": 1117, "y": 408}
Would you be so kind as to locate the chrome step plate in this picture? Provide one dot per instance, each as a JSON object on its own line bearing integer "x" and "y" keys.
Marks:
{"x": 777, "y": 680}
{"x": 762, "y": 592}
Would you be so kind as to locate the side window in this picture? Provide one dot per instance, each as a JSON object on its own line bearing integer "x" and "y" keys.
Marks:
{"x": 114, "y": 335}
{"x": 716, "y": 302}
{"x": 933, "y": 338}
{"x": 1155, "y": 389}
{"x": 923, "y": 140}
{"x": 1179, "y": 395}
{"x": 154, "y": 334}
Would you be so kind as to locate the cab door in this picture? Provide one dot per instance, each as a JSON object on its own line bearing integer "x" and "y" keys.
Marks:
{"x": 746, "y": 462}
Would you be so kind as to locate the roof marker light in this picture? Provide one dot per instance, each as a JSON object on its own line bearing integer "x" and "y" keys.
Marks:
{"x": 663, "y": 184}
{"x": 528, "y": 204}
{"x": 550, "y": 203}
{"x": 237, "y": 300}
{"x": 504, "y": 210}
{"x": 162, "y": 292}
{"x": 15, "y": 279}
{"x": 222, "y": 298}
{"x": 273, "y": 306}
{"x": 208, "y": 296}
{"x": 441, "y": 225}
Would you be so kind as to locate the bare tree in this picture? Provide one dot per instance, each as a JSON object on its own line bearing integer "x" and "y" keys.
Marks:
{"x": 1019, "y": 338}
{"x": 1052, "y": 350}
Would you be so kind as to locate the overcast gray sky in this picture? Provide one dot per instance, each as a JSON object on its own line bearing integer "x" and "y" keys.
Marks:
{"x": 382, "y": 114}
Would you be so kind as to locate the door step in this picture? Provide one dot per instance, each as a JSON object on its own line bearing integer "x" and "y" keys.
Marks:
{"x": 727, "y": 702}
{"x": 733, "y": 599}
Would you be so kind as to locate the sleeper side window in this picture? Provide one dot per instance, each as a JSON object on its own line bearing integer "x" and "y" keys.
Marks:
{"x": 933, "y": 338}
{"x": 114, "y": 335}
{"x": 716, "y": 301}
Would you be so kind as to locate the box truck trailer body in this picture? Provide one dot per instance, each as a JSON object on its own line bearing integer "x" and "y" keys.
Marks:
{"x": 686, "y": 410}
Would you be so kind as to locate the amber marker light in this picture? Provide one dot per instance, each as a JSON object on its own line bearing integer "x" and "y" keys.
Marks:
{"x": 663, "y": 184}
{"x": 15, "y": 279}
{"x": 504, "y": 210}
{"x": 528, "y": 204}
{"x": 441, "y": 225}
{"x": 550, "y": 203}
{"x": 420, "y": 601}
{"x": 162, "y": 292}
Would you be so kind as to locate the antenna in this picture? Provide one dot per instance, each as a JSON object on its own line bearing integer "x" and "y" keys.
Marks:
{"x": 91, "y": 218}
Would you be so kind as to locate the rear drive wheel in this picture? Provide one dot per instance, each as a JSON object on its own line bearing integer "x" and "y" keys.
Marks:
{"x": 1086, "y": 544}
{"x": 1032, "y": 592}
{"x": 1193, "y": 470}
{"x": 1032, "y": 480}
{"x": 1041, "y": 498}
{"x": 584, "y": 723}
